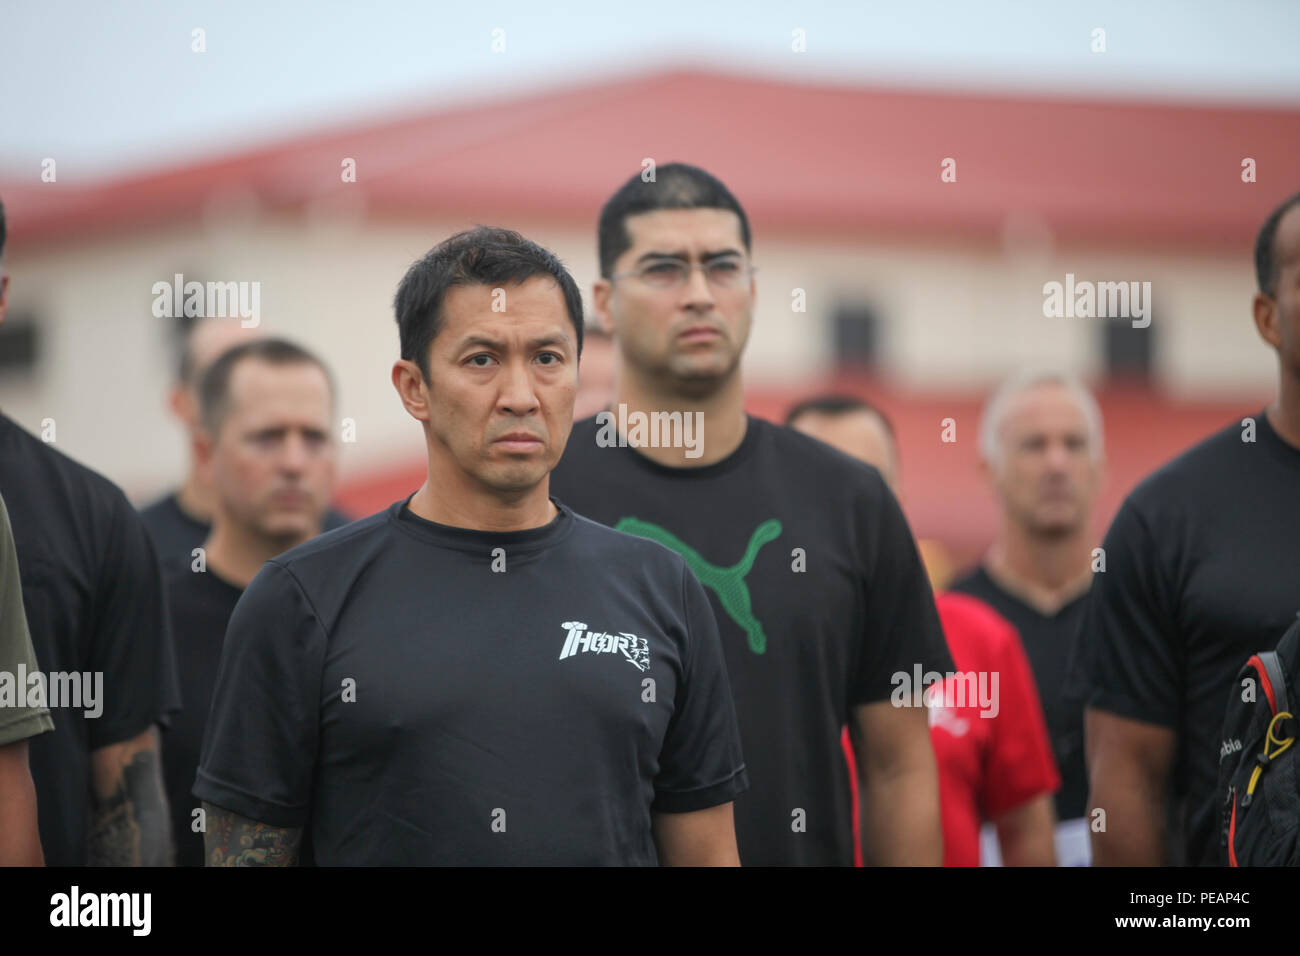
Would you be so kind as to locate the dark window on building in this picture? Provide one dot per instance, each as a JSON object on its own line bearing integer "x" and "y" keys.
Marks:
{"x": 1128, "y": 351}
{"x": 19, "y": 342}
{"x": 855, "y": 332}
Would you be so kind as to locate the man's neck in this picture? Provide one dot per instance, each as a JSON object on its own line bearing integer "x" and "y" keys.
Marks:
{"x": 196, "y": 499}
{"x": 236, "y": 554}
{"x": 1045, "y": 573}
{"x": 477, "y": 510}
{"x": 721, "y": 426}
{"x": 1284, "y": 414}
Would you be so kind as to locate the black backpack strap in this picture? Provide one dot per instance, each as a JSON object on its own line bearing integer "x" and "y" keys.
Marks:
{"x": 1273, "y": 668}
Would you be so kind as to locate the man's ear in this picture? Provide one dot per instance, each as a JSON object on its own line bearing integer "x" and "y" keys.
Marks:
{"x": 202, "y": 447}
{"x": 601, "y": 292}
{"x": 1265, "y": 310}
{"x": 411, "y": 389}
{"x": 4, "y": 296}
{"x": 180, "y": 402}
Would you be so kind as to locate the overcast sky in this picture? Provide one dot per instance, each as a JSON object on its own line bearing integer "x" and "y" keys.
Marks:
{"x": 107, "y": 85}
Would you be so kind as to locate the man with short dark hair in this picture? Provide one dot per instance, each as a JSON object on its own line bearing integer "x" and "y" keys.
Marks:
{"x": 266, "y": 444}
{"x": 476, "y": 675}
{"x": 95, "y": 608}
{"x": 180, "y": 520}
{"x": 807, "y": 558}
{"x": 1202, "y": 571}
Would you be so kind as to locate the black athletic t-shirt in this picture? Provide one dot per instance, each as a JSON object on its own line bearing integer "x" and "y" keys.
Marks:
{"x": 176, "y": 534}
{"x": 1049, "y": 642}
{"x": 820, "y": 598}
{"x": 201, "y": 603}
{"x": 415, "y": 693}
{"x": 95, "y": 605}
{"x": 1202, "y": 570}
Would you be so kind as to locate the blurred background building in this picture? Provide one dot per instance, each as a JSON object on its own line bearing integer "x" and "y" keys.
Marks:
{"x": 917, "y": 292}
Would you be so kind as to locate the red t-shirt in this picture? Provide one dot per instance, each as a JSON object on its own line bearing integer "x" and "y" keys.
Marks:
{"x": 987, "y": 764}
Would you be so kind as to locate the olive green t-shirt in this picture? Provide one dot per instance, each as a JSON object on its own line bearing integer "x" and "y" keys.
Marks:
{"x": 17, "y": 720}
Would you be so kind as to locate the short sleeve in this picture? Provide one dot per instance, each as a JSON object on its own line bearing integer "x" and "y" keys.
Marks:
{"x": 260, "y": 744}
{"x": 700, "y": 764}
{"x": 17, "y": 720}
{"x": 131, "y": 644}
{"x": 1127, "y": 658}
{"x": 901, "y": 627}
{"x": 1019, "y": 764}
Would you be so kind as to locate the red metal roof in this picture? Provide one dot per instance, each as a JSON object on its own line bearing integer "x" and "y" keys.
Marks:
{"x": 808, "y": 158}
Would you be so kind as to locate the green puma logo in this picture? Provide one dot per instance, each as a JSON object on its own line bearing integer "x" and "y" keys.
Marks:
{"x": 727, "y": 583}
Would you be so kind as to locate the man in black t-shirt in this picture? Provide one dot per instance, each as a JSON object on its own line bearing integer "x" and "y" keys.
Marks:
{"x": 1042, "y": 450}
{"x": 1202, "y": 570}
{"x": 180, "y": 520}
{"x": 824, "y": 608}
{"x": 476, "y": 675}
{"x": 265, "y": 439}
{"x": 93, "y": 596}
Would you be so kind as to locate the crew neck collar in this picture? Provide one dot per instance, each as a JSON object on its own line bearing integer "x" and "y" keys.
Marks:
{"x": 474, "y": 540}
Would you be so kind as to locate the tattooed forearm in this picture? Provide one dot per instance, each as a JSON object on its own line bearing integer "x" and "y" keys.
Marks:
{"x": 130, "y": 825}
{"x": 232, "y": 840}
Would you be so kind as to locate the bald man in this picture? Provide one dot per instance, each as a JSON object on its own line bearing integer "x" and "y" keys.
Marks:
{"x": 181, "y": 520}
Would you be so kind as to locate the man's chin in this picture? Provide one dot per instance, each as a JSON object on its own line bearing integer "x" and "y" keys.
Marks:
{"x": 289, "y": 530}
{"x": 1055, "y": 526}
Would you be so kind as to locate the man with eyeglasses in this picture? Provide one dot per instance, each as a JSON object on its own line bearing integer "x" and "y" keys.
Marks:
{"x": 821, "y": 599}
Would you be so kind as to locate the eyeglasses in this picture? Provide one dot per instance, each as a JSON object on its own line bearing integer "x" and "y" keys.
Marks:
{"x": 725, "y": 272}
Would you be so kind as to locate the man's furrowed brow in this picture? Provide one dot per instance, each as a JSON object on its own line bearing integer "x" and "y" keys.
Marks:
{"x": 478, "y": 340}
{"x": 685, "y": 256}
{"x": 557, "y": 338}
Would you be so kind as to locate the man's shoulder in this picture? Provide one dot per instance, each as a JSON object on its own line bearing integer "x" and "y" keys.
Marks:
{"x": 328, "y": 547}
{"x": 50, "y": 472}
{"x": 163, "y": 514}
{"x": 974, "y": 583}
{"x": 602, "y": 543}
{"x": 1177, "y": 484}
{"x": 812, "y": 455}
{"x": 973, "y": 625}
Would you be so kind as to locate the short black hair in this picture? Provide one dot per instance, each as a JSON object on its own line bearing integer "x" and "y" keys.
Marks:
{"x": 838, "y": 404}
{"x": 675, "y": 186}
{"x": 1266, "y": 272}
{"x": 214, "y": 386}
{"x": 484, "y": 255}
{"x": 3, "y": 231}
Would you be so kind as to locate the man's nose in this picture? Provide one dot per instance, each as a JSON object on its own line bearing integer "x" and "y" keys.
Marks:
{"x": 698, "y": 293}
{"x": 294, "y": 453}
{"x": 518, "y": 396}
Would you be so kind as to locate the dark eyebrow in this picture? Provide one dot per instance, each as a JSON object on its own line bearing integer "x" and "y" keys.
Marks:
{"x": 683, "y": 255}
{"x": 484, "y": 341}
